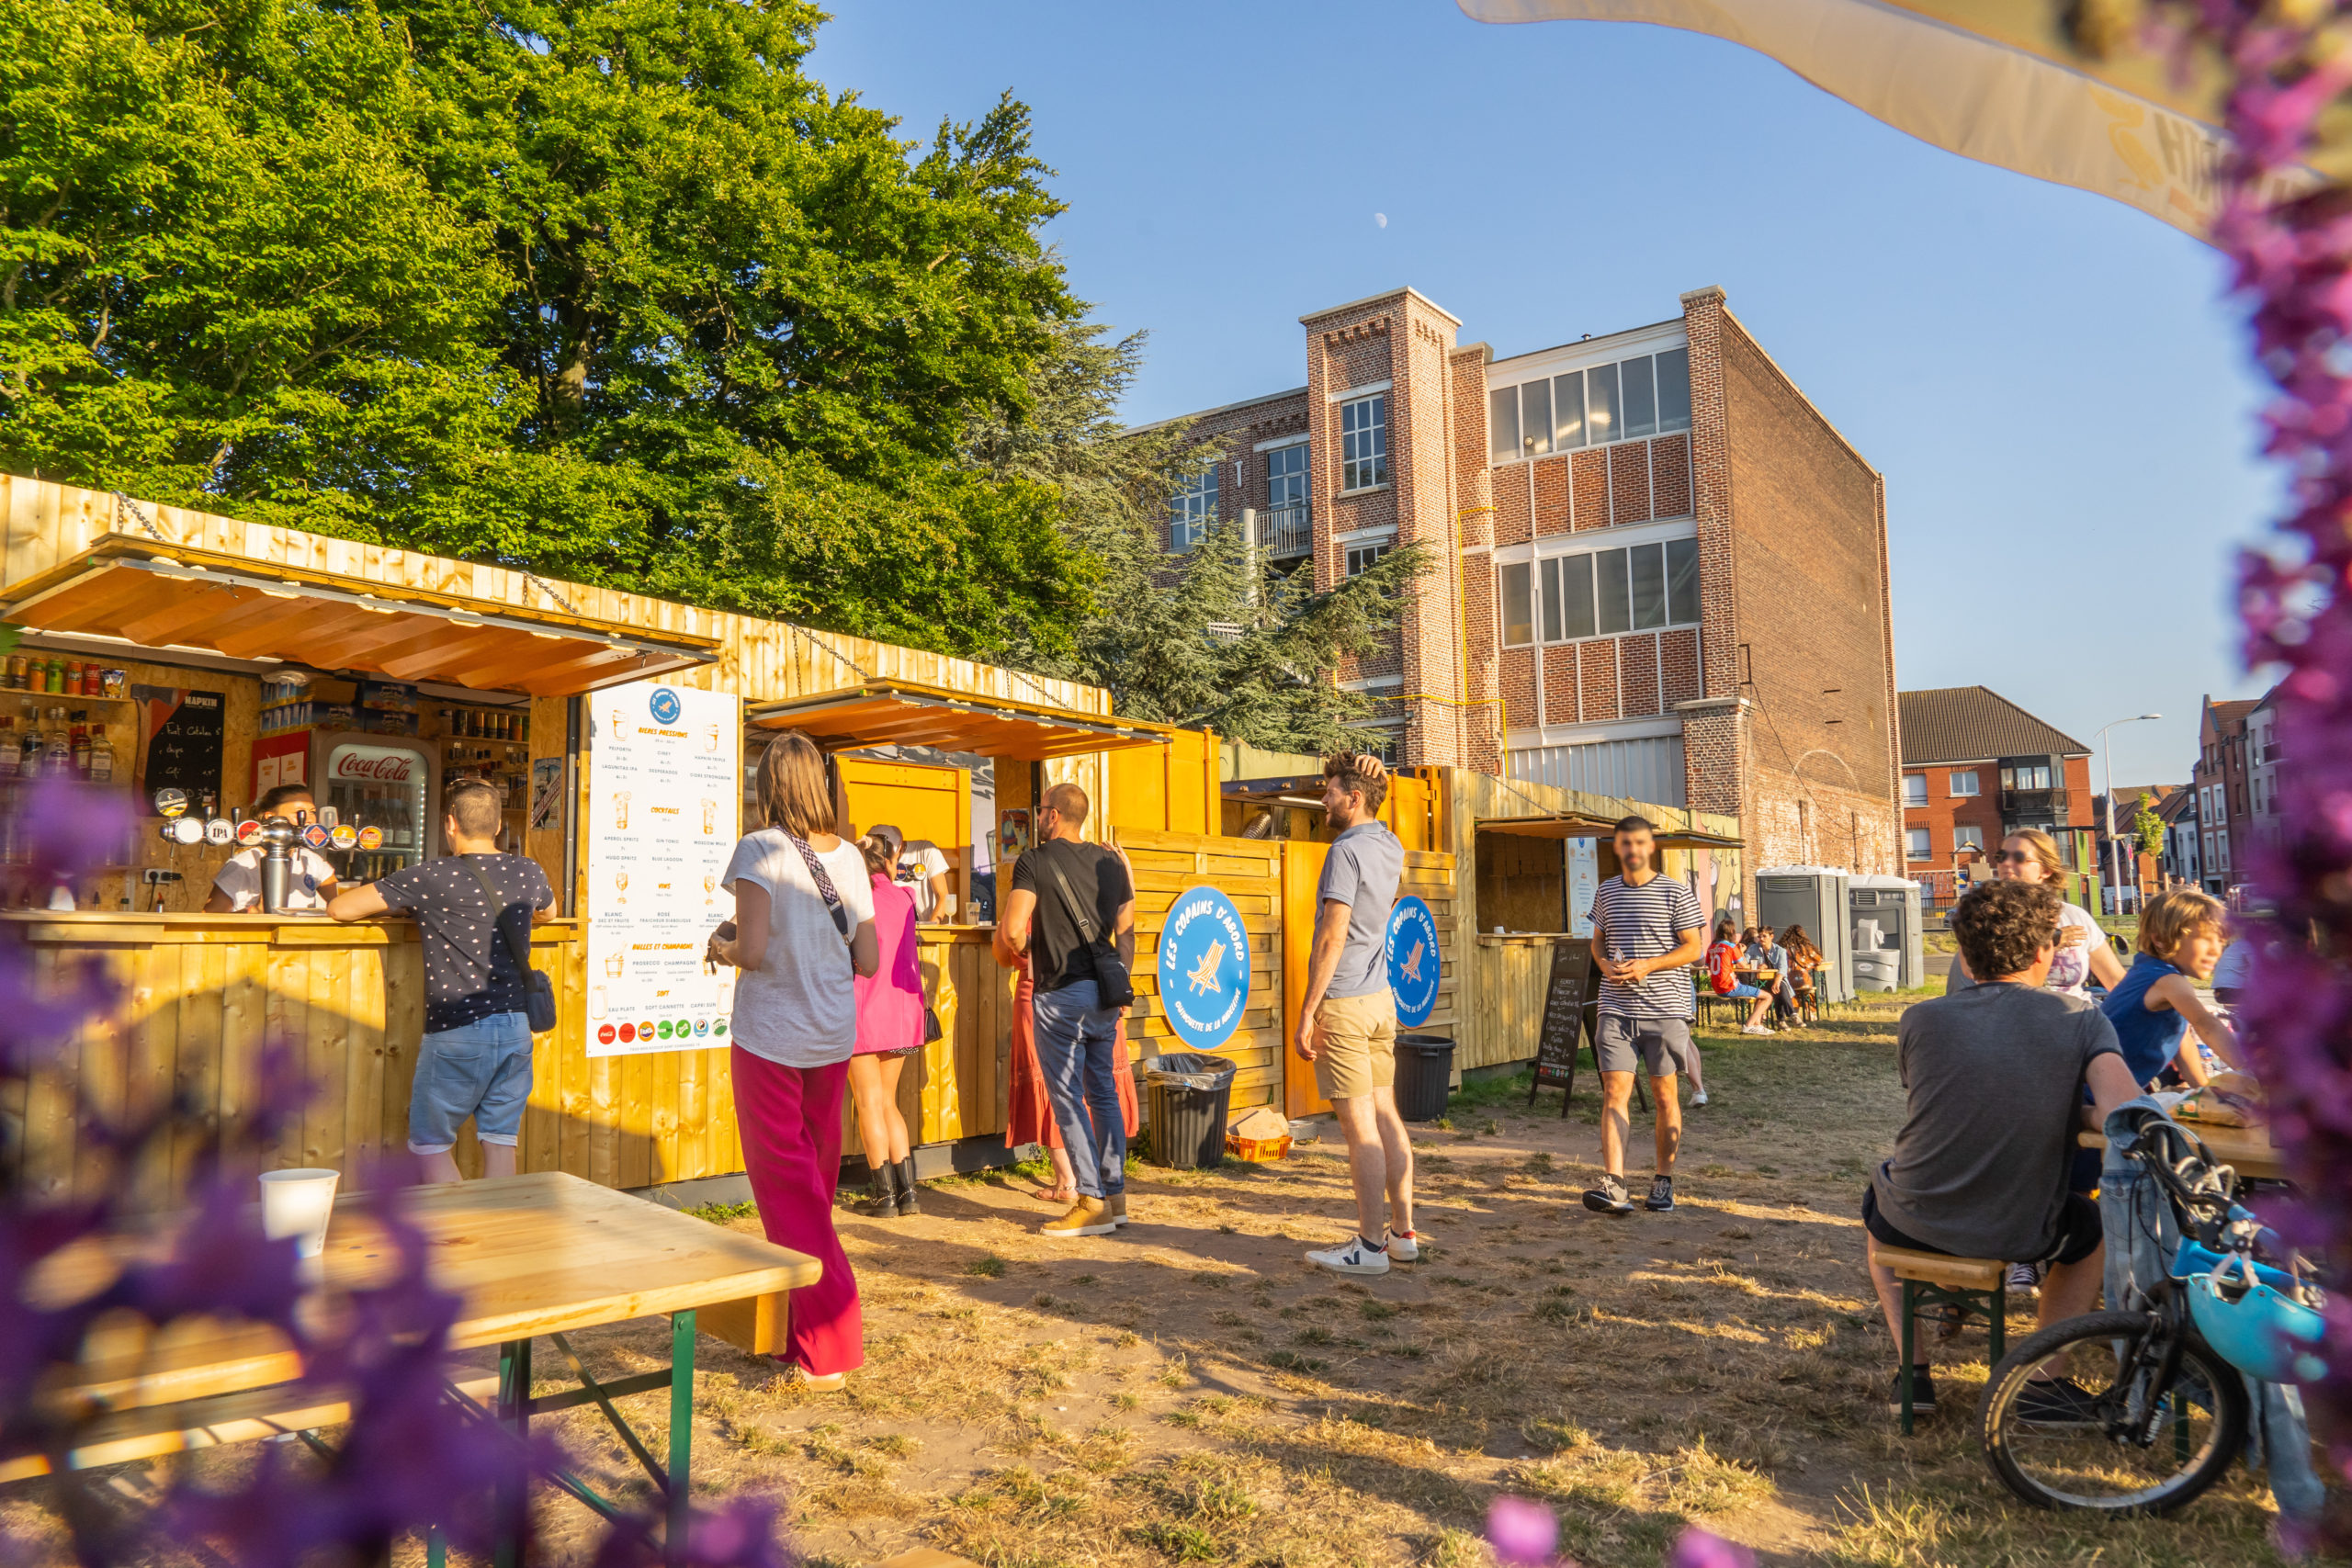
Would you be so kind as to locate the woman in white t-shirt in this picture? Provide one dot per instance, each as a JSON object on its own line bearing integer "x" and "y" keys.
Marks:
{"x": 803, "y": 930}
{"x": 2084, "y": 952}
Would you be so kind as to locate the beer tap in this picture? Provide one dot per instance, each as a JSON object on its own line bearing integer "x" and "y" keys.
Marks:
{"x": 277, "y": 839}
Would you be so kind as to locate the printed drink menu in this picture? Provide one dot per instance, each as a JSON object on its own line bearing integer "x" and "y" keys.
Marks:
{"x": 665, "y": 777}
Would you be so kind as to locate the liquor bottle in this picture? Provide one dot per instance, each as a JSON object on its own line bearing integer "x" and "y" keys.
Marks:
{"x": 12, "y": 749}
{"x": 101, "y": 757}
{"x": 81, "y": 743}
{"x": 57, "y": 747}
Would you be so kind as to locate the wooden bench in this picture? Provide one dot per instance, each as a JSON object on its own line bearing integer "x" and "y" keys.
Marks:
{"x": 1975, "y": 1288}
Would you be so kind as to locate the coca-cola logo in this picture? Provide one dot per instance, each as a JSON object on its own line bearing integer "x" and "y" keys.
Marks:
{"x": 372, "y": 767}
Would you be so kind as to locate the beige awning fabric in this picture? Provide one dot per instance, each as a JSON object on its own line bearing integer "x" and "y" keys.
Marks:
{"x": 1570, "y": 825}
{"x": 1992, "y": 80}
{"x": 901, "y": 712}
{"x": 155, "y": 595}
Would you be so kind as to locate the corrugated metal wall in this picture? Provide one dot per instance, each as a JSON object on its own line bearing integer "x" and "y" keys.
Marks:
{"x": 1648, "y": 769}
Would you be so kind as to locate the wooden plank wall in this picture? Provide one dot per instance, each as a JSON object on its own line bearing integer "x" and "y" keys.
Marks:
{"x": 1248, "y": 872}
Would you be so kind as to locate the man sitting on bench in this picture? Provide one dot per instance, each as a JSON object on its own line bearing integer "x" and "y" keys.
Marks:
{"x": 1995, "y": 1078}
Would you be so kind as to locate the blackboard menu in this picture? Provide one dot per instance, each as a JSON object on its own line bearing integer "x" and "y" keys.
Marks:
{"x": 1564, "y": 1022}
{"x": 180, "y": 735}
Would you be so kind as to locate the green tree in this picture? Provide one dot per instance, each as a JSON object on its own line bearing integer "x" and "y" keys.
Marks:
{"x": 609, "y": 287}
{"x": 2147, "y": 826}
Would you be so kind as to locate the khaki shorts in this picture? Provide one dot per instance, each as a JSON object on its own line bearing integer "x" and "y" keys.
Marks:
{"x": 1355, "y": 1044}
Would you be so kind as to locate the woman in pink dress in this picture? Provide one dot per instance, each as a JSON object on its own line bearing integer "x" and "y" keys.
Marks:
{"x": 889, "y": 1030}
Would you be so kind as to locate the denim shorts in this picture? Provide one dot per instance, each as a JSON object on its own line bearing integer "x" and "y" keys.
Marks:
{"x": 1742, "y": 992}
{"x": 480, "y": 1069}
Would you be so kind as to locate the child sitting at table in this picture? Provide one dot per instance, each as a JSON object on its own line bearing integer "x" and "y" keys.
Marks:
{"x": 2155, "y": 1004}
{"x": 1722, "y": 963}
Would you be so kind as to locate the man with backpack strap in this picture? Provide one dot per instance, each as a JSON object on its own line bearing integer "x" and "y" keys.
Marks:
{"x": 474, "y": 908}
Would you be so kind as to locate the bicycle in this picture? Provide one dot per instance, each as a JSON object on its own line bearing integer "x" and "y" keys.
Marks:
{"x": 2158, "y": 1408}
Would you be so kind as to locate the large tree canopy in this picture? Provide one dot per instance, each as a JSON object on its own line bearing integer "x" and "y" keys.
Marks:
{"x": 611, "y": 288}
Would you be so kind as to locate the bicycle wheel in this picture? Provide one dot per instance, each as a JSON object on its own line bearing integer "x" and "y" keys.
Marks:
{"x": 2094, "y": 1458}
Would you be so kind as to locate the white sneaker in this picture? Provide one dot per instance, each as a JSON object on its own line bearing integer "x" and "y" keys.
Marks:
{"x": 1401, "y": 1248}
{"x": 1752, "y": 1029}
{"x": 1358, "y": 1256}
{"x": 1700, "y": 1098}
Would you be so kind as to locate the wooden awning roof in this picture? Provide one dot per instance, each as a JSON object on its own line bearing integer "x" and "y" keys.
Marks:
{"x": 157, "y": 595}
{"x": 1574, "y": 825}
{"x": 901, "y": 712}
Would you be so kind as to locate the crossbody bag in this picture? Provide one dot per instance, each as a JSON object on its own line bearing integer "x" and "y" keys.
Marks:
{"x": 539, "y": 991}
{"x": 825, "y": 890}
{"x": 1116, "y": 987}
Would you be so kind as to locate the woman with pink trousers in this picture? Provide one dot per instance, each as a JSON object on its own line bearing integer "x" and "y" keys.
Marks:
{"x": 803, "y": 931}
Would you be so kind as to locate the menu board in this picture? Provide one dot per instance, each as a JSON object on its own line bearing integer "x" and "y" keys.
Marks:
{"x": 1584, "y": 885}
{"x": 182, "y": 732}
{"x": 665, "y": 789}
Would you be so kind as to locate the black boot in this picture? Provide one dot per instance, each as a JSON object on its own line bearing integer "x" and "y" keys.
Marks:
{"x": 881, "y": 1193}
{"x": 907, "y": 1188}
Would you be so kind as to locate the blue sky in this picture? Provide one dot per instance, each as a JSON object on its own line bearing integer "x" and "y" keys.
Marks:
{"x": 2052, "y": 383}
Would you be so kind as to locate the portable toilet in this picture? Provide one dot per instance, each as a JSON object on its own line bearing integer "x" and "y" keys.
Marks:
{"x": 1813, "y": 897}
{"x": 1889, "y": 950}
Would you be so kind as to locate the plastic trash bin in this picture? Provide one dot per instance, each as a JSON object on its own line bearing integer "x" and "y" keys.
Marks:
{"x": 1187, "y": 1095}
{"x": 1424, "y": 1076}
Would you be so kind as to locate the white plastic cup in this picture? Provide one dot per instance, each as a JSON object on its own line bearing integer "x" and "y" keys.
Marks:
{"x": 299, "y": 1204}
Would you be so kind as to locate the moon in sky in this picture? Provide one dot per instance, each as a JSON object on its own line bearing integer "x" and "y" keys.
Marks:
{"x": 1381, "y": 219}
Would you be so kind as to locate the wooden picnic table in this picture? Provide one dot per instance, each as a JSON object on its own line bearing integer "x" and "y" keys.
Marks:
{"x": 2246, "y": 1150}
{"x": 529, "y": 1256}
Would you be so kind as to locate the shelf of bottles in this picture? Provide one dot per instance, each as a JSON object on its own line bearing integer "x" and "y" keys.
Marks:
{"x": 493, "y": 744}
{"x": 84, "y": 738}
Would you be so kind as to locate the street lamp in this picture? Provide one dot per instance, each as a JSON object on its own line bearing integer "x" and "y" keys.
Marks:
{"x": 2107, "y": 763}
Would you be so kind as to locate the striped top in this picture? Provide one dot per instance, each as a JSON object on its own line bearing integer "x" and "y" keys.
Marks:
{"x": 1643, "y": 922}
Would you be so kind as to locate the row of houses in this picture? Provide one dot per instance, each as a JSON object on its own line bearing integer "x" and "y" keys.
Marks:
{"x": 1977, "y": 766}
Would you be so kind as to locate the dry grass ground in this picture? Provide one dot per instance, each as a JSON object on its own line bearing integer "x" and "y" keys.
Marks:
{"x": 1192, "y": 1391}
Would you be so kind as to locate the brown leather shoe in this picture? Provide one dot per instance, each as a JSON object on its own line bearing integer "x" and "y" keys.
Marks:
{"x": 1088, "y": 1217}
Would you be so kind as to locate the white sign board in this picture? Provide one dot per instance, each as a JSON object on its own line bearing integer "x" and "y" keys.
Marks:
{"x": 1584, "y": 883}
{"x": 666, "y": 786}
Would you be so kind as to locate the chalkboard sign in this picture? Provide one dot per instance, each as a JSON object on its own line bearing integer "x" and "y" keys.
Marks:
{"x": 180, "y": 732}
{"x": 1563, "y": 1031}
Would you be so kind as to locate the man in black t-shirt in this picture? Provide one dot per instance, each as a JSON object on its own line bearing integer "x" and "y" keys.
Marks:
{"x": 1075, "y": 1034}
{"x": 476, "y": 1056}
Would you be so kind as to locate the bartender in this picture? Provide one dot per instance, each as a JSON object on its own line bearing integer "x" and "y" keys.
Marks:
{"x": 311, "y": 882}
{"x": 922, "y": 870}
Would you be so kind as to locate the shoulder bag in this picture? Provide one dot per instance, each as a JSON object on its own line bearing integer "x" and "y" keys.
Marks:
{"x": 1116, "y": 987}
{"x": 539, "y": 991}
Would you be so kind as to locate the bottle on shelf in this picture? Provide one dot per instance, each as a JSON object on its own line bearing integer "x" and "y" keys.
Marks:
{"x": 101, "y": 757}
{"x": 12, "y": 749}
{"x": 57, "y": 746}
{"x": 80, "y": 731}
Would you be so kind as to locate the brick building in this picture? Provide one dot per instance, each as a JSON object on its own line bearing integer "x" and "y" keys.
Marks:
{"x": 2224, "y": 779}
{"x": 1662, "y": 573}
{"x": 1976, "y": 767}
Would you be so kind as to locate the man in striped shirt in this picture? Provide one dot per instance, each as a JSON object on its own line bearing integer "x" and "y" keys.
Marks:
{"x": 1646, "y": 932}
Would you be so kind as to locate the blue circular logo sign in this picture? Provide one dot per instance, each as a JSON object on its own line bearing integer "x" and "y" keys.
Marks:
{"x": 665, "y": 705}
{"x": 1413, "y": 961}
{"x": 1203, "y": 968}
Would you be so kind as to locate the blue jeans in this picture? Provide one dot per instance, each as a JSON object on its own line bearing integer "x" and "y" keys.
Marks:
{"x": 480, "y": 1069}
{"x": 1075, "y": 1035}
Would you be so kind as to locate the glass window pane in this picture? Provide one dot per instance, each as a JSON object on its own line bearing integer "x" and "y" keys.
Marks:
{"x": 1641, "y": 399}
{"x": 1517, "y": 627}
{"x": 1616, "y": 608}
{"x": 1567, "y": 409}
{"x": 1576, "y": 592}
{"x": 1502, "y": 423}
{"x": 1552, "y": 600}
{"x": 1648, "y": 563}
{"x": 1674, "y": 389}
{"x": 1601, "y": 402}
{"x": 1681, "y": 581}
{"x": 1535, "y": 417}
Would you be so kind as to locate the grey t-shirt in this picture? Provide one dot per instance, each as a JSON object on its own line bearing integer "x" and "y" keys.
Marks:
{"x": 1362, "y": 870}
{"x": 1994, "y": 1079}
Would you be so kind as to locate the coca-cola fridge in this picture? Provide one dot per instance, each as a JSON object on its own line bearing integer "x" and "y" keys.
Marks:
{"x": 384, "y": 781}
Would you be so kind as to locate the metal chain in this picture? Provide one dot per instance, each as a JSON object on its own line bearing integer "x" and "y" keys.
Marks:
{"x": 548, "y": 588}
{"x": 139, "y": 512}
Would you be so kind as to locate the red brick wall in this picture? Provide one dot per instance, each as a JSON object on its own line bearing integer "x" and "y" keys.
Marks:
{"x": 1638, "y": 661}
{"x": 1943, "y": 812}
{"x": 1670, "y": 475}
{"x": 1551, "y": 479}
{"x": 1629, "y": 482}
{"x": 1514, "y": 506}
{"x": 1591, "y": 484}
{"x": 1599, "y": 662}
{"x": 1560, "y": 683}
{"x": 1679, "y": 658}
{"x": 1518, "y": 686}
{"x": 1483, "y": 720}
{"x": 1234, "y": 432}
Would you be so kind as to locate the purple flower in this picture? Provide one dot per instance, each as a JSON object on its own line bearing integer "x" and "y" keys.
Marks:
{"x": 1697, "y": 1549}
{"x": 1523, "y": 1534}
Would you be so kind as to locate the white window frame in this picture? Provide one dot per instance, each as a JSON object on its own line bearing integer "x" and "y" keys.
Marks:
{"x": 1974, "y": 784}
{"x": 1293, "y": 474}
{"x": 1551, "y": 442}
{"x": 1192, "y": 509}
{"x": 1917, "y": 844}
{"x": 1915, "y": 797}
{"x": 1363, "y": 443}
{"x": 1961, "y": 835}
{"x": 1361, "y": 558}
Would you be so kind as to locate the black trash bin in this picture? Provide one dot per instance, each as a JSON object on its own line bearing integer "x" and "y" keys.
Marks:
{"x": 1186, "y": 1096}
{"x": 1424, "y": 1076}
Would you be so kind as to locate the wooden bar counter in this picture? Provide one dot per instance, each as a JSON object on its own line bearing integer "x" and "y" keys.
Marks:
{"x": 199, "y": 998}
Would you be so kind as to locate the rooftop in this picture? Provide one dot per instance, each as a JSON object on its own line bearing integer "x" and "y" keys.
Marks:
{"x": 1974, "y": 724}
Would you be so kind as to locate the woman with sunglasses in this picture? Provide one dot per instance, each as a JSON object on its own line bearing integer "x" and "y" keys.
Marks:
{"x": 2084, "y": 952}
